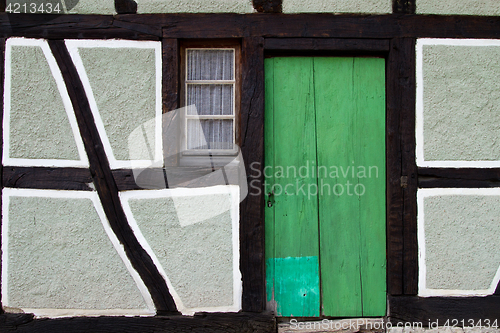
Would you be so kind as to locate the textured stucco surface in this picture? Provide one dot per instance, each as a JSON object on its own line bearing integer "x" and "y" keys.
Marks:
{"x": 194, "y": 6}
{"x": 39, "y": 125}
{"x": 198, "y": 257}
{"x": 106, "y": 7}
{"x": 459, "y": 7}
{"x": 61, "y": 258}
{"x": 337, "y": 6}
{"x": 461, "y": 241}
{"x": 123, "y": 83}
{"x": 461, "y": 102}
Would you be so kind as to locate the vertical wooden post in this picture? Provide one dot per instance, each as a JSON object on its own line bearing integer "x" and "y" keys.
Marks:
{"x": 252, "y": 146}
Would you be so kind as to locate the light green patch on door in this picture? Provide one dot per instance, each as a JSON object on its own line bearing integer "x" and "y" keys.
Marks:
{"x": 295, "y": 286}
{"x": 327, "y": 115}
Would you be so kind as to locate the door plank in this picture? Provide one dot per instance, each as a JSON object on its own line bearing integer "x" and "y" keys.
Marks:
{"x": 369, "y": 85}
{"x": 338, "y": 211}
{"x": 295, "y": 212}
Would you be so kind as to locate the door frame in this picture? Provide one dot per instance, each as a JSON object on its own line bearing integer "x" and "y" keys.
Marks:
{"x": 401, "y": 169}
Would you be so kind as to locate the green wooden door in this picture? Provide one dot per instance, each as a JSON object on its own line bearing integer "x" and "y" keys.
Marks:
{"x": 325, "y": 186}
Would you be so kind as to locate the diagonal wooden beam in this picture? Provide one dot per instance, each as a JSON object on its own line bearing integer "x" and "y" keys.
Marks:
{"x": 106, "y": 186}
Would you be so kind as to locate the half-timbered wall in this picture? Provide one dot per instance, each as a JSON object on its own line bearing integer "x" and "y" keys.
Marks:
{"x": 86, "y": 98}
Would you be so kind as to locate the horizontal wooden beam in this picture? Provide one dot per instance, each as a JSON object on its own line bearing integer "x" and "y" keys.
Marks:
{"x": 80, "y": 179}
{"x": 154, "y": 26}
{"x": 327, "y": 44}
{"x": 404, "y": 309}
{"x": 458, "y": 177}
{"x": 199, "y": 323}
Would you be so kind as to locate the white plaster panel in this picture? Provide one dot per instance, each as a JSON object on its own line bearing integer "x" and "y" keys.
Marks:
{"x": 192, "y": 234}
{"x": 40, "y": 128}
{"x": 122, "y": 80}
{"x": 458, "y": 231}
{"x": 59, "y": 257}
{"x": 459, "y": 7}
{"x": 337, "y": 6}
{"x": 458, "y": 103}
{"x": 106, "y": 7}
{"x": 194, "y": 6}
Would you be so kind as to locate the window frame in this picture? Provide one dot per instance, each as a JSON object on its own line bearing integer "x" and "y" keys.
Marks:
{"x": 209, "y": 44}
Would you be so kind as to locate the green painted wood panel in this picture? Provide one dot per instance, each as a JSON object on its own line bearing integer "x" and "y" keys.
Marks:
{"x": 293, "y": 211}
{"x": 325, "y": 155}
{"x": 351, "y": 143}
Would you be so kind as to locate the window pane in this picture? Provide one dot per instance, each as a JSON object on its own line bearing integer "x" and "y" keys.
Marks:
{"x": 210, "y": 99}
{"x": 210, "y": 134}
{"x": 210, "y": 64}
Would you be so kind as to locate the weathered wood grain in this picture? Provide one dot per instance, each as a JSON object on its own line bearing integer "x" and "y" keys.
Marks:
{"x": 125, "y": 6}
{"x": 252, "y": 148}
{"x": 395, "y": 81}
{"x": 47, "y": 178}
{"x": 268, "y": 6}
{"x": 458, "y": 177}
{"x": 200, "y": 323}
{"x": 404, "y": 6}
{"x": 432, "y": 309}
{"x": 408, "y": 166}
{"x": 106, "y": 185}
{"x": 323, "y": 44}
{"x": 149, "y": 26}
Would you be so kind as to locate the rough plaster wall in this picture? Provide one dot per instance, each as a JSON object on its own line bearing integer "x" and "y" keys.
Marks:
{"x": 39, "y": 125}
{"x": 197, "y": 258}
{"x": 123, "y": 83}
{"x": 461, "y": 241}
{"x": 461, "y": 102}
{"x": 459, "y": 7}
{"x": 194, "y": 6}
{"x": 337, "y": 6}
{"x": 60, "y": 257}
{"x": 68, "y": 6}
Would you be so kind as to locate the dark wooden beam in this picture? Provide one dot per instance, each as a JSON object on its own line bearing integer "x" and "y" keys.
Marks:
{"x": 252, "y": 146}
{"x": 106, "y": 185}
{"x": 441, "y": 309}
{"x": 408, "y": 166}
{"x": 149, "y": 26}
{"x": 396, "y": 75}
{"x": 404, "y": 6}
{"x": 200, "y": 323}
{"x": 268, "y": 6}
{"x": 458, "y": 177}
{"x": 75, "y": 26}
{"x": 125, "y": 6}
{"x": 47, "y": 178}
{"x": 326, "y": 44}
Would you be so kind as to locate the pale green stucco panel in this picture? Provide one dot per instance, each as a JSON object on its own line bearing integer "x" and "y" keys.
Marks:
{"x": 123, "y": 81}
{"x": 462, "y": 251}
{"x": 198, "y": 257}
{"x": 39, "y": 124}
{"x": 458, "y": 7}
{"x": 59, "y": 257}
{"x": 461, "y": 103}
{"x": 194, "y": 6}
{"x": 337, "y": 6}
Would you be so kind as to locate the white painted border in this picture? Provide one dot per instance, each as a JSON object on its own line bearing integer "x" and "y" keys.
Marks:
{"x": 73, "y": 45}
{"x": 11, "y": 192}
{"x": 61, "y": 86}
{"x": 234, "y": 191}
{"x": 422, "y": 286}
{"x": 420, "y": 103}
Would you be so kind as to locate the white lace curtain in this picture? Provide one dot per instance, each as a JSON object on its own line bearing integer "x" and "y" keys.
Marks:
{"x": 210, "y": 87}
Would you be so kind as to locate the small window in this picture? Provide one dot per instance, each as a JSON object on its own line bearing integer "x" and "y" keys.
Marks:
{"x": 210, "y": 91}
